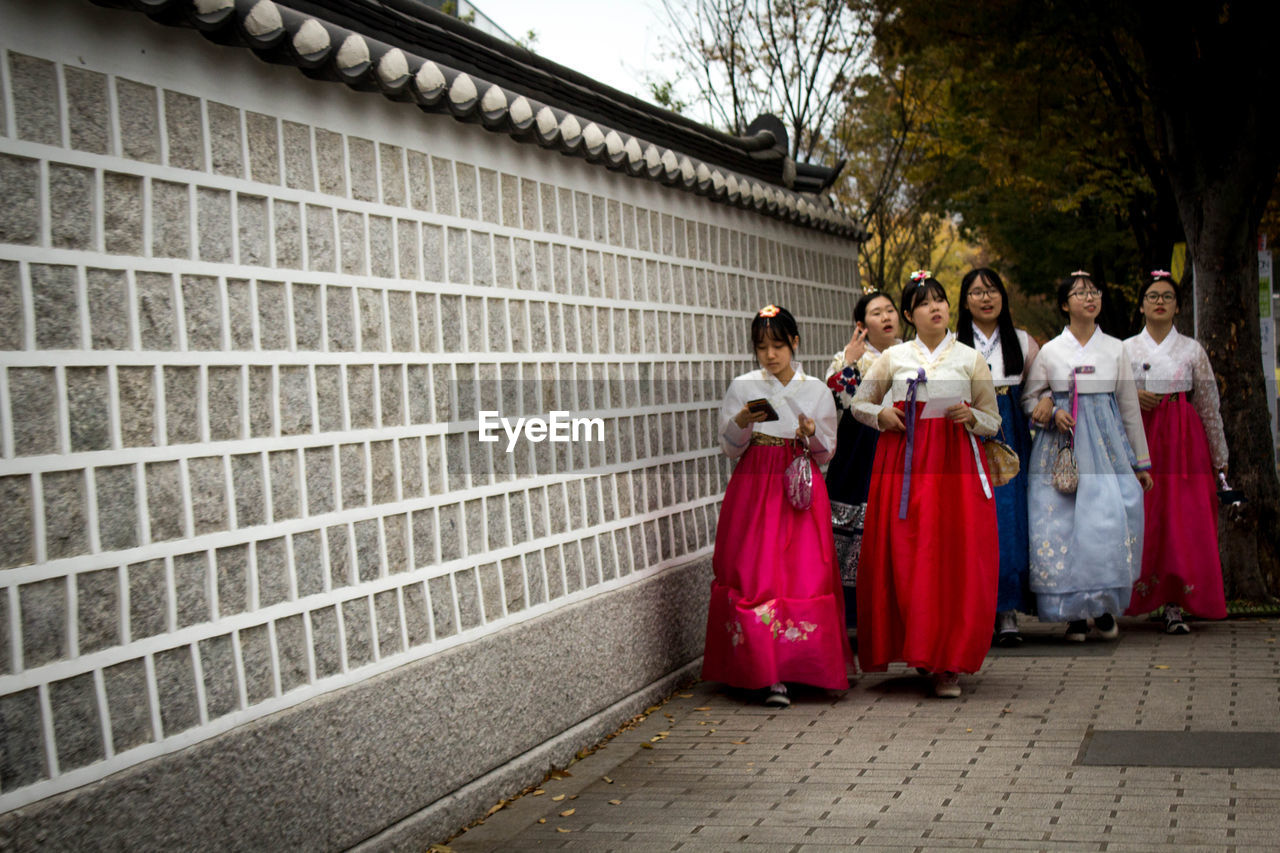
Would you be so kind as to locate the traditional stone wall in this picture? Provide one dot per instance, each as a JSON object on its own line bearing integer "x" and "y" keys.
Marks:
{"x": 248, "y": 322}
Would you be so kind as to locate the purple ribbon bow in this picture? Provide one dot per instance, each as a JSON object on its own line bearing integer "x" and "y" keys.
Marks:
{"x": 913, "y": 389}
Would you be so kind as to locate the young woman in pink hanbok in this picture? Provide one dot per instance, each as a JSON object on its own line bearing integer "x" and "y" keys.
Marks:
{"x": 777, "y": 612}
{"x": 1179, "y": 399}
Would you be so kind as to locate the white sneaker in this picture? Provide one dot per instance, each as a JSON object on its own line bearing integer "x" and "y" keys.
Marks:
{"x": 946, "y": 685}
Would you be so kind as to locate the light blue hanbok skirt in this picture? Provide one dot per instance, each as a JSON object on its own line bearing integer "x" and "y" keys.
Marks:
{"x": 1086, "y": 548}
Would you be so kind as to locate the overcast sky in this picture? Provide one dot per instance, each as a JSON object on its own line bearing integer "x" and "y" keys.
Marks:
{"x": 614, "y": 41}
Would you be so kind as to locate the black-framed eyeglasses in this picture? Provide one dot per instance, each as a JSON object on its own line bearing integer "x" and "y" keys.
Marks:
{"x": 1154, "y": 297}
{"x": 1086, "y": 293}
{"x": 991, "y": 293}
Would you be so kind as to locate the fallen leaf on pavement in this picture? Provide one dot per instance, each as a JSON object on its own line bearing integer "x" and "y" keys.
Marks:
{"x": 558, "y": 797}
{"x": 615, "y": 802}
{"x": 738, "y": 742}
{"x": 646, "y": 745}
{"x": 703, "y": 708}
{"x": 538, "y": 793}
{"x": 495, "y": 809}
{"x": 607, "y": 779}
{"x": 1160, "y": 666}
{"x": 684, "y": 695}
{"x": 562, "y": 829}
{"x": 567, "y": 812}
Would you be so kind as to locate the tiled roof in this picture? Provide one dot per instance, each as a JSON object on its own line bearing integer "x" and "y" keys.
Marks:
{"x": 407, "y": 51}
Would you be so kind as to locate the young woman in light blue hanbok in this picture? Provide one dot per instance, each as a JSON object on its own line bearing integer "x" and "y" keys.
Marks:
{"x": 1086, "y": 547}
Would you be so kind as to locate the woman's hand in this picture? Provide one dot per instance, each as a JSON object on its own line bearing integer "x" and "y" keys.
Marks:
{"x": 807, "y": 427}
{"x": 746, "y": 416}
{"x": 1144, "y": 477}
{"x": 960, "y": 413}
{"x": 857, "y": 346}
{"x": 1148, "y": 400}
{"x": 1042, "y": 412}
{"x": 1063, "y": 420}
{"x": 891, "y": 419}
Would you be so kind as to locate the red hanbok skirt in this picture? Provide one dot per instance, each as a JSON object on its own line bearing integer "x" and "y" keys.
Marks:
{"x": 927, "y": 583}
{"x": 777, "y": 609}
{"x": 1180, "y": 561}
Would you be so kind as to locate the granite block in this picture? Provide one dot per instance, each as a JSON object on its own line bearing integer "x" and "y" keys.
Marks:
{"x": 191, "y": 581}
{"x": 65, "y": 514}
{"x": 221, "y": 688}
{"x": 329, "y": 397}
{"x": 321, "y": 491}
{"x": 157, "y": 326}
{"x": 382, "y": 464}
{"x": 295, "y": 400}
{"x": 386, "y": 607}
{"x": 340, "y": 317}
{"x": 283, "y": 467}
{"x": 450, "y": 532}
{"x": 391, "y": 162}
{"x": 321, "y": 240}
{"x": 368, "y": 550}
{"x": 442, "y": 607}
{"x": 299, "y": 172}
{"x": 308, "y": 562}
{"x": 20, "y": 215}
{"x": 391, "y": 395}
{"x": 307, "y": 317}
{"x": 148, "y": 599}
{"x": 339, "y": 541}
{"x": 291, "y": 645}
{"x": 353, "y": 471}
{"x": 87, "y": 110}
{"x": 224, "y": 403}
{"x": 259, "y": 671}
{"x": 36, "y": 106}
{"x": 423, "y": 524}
{"x": 117, "y": 494}
{"x": 98, "y": 610}
{"x": 457, "y": 255}
{"x": 286, "y": 220}
{"x": 325, "y": 638}
{"x": 232, "y": 565}
{"x": 33, "y": 400}
{"x": 129, "y": 705}
{"x": 433, "y": 257}
{"x": 262, "y": 401}
{"x": 416, "y": 617}
{"x": 331, "y": 162}
{"x": 470, "y": 606}
{"x": 263, "y": 134}
{"x": 553, "y": 561}
{"x": 215, "y": 241}
{"x": 382, "y": 247}
{"x": 71, "y": 207}
{"x": 13, "y": 332}
{"x": 359, "y": 632}
{"x": 240, "y": 308}
{"x": 273, "y": 316}
{"x": 247, "y": 485}
{"x": 182, "y": 404}
{"x": 364, "y": 172}
{"x": 351, "y": 243}
{"x": 43, "y": 605}
{"x": 165, "y": 500}
{"x": 170, "y": 223}
{"x": 77, "y": 731}
{"x": 373, "y": 334}
{"x": 88, "y": 408}
{"x": 442, "y": 182}
{"x": 176, "y": 688}
{"x": 22, "y": 750}
{"x": 395, "y": 534}
{"x": 202, "y": 308}
{"x": 272, "y": 562}
{"x": 408, "y": 250}
{"x": 225, "y": 139}
{"x": 535, "y": 578}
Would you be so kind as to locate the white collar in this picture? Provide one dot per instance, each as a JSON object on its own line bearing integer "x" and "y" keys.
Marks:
{"x": 797, "y": 376}
{"x": 1161, "y": 346}
{"x": 933, "y": 354}
{"x": 1075, "y": 344}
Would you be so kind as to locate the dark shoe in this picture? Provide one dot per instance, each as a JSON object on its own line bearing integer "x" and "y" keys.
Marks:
{"x": 1007, "y": 635}
{"x": 1173, "y": 623}
{"x": 1077, "y": 631}
{"x": 946, "y": 685}
{"x": 778, "y": 697}
{"x": 1107, "y": 627}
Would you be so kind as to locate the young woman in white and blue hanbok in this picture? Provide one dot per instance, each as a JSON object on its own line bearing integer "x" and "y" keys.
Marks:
{"x": 986, "y": 324}
{"x": 1086, "y": 547}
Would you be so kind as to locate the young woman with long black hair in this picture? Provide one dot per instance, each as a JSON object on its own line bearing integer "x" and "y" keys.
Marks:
{"x": 776, "y": 611}
{"x": 929, "y": 563}
{"x": 986, "y": 324}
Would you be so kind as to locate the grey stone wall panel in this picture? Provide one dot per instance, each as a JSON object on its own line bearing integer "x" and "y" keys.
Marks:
{"x": 123, "y": 213}
{"x": 358, "y": 630}
{"x": 65, "y": 512}
{"x": 215, "y": 241}
{"x": 351, "y": 243}
{"x": 33, "y": 401}
{"x": 87, "y": 110}
{"x": 262, "y": 401}
{"x": 191, "y": 581}
{"x": 271, "y": 560}
{"x": 273, "y": 316}
{"x": 340, "y": 565}
{"x": 259, "y": 673}
{"x": 307, "y": 317}
{"x": 12, "y": 332}
{"x": 263, "y": 134}
{"x": 208, "y": 484}
{"x": 391, "y": 159}
{"x": 148, "y": 599}
{"x": 241, "y": 313}
{"x": 308, "y": 563}
{"x": 368, "y": 550}
{"x": 331, "y": 162}
{"x": 176, "y": 687}
{"x": 299, "y": 169}
{"x": 54, "y": 292}
{"x": 246, "y": 478}
{"x": 232, "y": 566}
{"x": 184, "y": 129}
{"x": 36, "y": 109}
{"x": 283, "y": 465}
{"x": 291, "y": 642}
{"x": 361, "y": 158}
{"x": 217, "y": 662}
{"x": 170, "y": 220}
{"x": 98, "y": 610}
{"x": 22, "y": 754}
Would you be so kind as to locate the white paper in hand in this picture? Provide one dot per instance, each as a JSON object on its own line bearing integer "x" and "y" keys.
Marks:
{"x": 936, "y": 407}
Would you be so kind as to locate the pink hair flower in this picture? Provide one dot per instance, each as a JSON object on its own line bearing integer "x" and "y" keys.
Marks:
{"x": 769, "y": 311}
{"x": 1078, "y": 273}
{"x": 921, "y": 275}
{"x": 1161, "y": 274}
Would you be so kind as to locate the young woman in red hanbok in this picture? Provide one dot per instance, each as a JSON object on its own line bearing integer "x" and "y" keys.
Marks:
{"x": 1181, "y": 569}
{"x": 776, "y": 613}
{"x": 930, "y": 558}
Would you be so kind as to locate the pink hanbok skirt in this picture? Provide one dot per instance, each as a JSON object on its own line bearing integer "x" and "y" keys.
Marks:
{"x": 1180, "y": 562}
{"x": 777, "y": 609}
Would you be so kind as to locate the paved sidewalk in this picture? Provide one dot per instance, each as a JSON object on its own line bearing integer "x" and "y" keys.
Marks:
{"x": 887, "y": 766}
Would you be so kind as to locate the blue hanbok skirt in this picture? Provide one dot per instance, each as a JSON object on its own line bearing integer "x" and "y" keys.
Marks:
{"x": 1086, "y": 548}
{"x": 1011, "y": 509}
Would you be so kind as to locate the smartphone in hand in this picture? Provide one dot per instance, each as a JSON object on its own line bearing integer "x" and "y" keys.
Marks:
{"x": 762, "y": 405}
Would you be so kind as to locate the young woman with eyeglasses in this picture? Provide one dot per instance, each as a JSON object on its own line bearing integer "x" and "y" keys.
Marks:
{"x": 929, "y": 562}
{"x": 1181, "y": 569}
{"x": 776, "y": 613}
{"x": 986, "y": 324}
{"x": 1086, "y": 547}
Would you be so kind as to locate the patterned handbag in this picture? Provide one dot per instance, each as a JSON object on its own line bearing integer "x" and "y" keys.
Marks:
{"x": 1002, "y": 460}
{"x": 846, "y": 526}
{"x": 797, "y": 480}
{"x": 1065, "y": 474}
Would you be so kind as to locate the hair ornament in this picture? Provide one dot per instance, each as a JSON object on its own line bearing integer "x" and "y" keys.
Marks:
{"x": 1080, "y": 273}
{"x": 768, "y": 311}
{"x": 920, "y": 275}
{"x": 1162, "y": 274}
